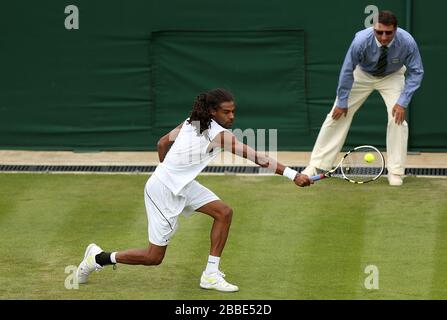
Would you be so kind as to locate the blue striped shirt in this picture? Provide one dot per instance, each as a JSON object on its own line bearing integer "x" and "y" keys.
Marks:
{"x": 365, "y": 52}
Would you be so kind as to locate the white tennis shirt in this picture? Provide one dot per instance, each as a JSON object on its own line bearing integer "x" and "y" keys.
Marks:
{"x": 188, "y": 156}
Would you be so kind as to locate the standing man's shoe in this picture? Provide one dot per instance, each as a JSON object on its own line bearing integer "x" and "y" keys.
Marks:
{"x": 395, "y": 180}
{"x": 310, "y": 171}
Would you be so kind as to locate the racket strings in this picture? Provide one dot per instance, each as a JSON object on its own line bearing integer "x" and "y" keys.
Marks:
{"x": 364, "y": 164}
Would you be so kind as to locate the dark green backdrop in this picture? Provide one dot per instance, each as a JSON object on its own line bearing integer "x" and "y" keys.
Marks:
{"x": 132, "y": 70}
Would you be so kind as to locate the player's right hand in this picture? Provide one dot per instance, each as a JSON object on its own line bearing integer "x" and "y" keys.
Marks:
{"x": 301, "y": 180}
{"x": 338, "y": 112}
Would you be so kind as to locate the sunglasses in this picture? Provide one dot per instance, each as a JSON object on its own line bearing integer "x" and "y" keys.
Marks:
{"x": 380, "y": 33}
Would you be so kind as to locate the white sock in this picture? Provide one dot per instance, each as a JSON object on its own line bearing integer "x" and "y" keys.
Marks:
{"x": 213, "y": 264}
{"x": 113, "y": 257}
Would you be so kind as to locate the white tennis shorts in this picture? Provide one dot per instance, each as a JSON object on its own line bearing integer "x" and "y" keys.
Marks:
{"x": 163, "y": 208}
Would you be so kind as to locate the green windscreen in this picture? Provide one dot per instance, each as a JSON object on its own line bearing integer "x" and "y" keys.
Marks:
{"x": 263, "y": 69}
{"x": 132, "y": 69}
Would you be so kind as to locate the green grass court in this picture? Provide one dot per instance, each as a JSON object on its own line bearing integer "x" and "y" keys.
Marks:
{"x": 285, "y": 242}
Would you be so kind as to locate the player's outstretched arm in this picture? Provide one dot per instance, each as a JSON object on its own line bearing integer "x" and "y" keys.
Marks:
{"x": 230, "y": 143}
{"x": 166, "y": 141}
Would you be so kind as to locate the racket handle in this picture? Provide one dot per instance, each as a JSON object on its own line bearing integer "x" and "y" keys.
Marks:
{"x": 319, "y": 177}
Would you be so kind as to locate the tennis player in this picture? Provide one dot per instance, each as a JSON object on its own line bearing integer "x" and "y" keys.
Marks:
{"x": 172, "y": 189}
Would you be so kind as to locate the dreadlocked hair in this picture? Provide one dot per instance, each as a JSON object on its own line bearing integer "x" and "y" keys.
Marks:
{"x": 204, "y": 102}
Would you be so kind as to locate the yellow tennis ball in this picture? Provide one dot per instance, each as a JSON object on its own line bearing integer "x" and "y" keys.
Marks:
{"x": 369, "y": 157}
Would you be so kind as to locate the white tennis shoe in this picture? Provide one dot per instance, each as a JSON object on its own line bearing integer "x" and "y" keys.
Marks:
{"x": 88, "y": 265}
{"x": 217, "y": 282}
{"x": 312, "y": 171}
{"x": 395, "y": 180}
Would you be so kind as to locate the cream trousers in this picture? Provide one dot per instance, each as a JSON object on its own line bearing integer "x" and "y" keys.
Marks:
{"x": 333, "y": 133}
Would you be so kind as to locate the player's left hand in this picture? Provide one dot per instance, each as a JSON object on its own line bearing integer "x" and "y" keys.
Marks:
{"x": 399, "y": 114}
{"x": 262, "y": 160}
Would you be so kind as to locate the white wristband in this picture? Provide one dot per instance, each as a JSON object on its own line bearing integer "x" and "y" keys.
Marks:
{"x": 290, "y": 173}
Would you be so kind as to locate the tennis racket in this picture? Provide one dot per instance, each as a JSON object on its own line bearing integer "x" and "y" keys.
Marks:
{"x": 360, "y": 165}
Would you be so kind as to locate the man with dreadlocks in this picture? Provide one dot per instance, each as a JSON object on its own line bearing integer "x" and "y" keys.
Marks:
{"x": 172, "y": 189}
